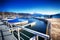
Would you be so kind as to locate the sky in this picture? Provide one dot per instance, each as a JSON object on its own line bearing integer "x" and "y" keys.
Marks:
{"x": 31, "y": 6}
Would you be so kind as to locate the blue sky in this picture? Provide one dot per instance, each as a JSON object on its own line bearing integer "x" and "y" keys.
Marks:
{"x": 31, "y": 6}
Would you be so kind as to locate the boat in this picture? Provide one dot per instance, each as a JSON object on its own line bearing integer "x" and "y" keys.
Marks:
{"x": 17, "y": 21}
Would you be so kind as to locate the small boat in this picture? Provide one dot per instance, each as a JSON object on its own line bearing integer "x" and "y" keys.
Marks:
{"x": 18, "y": 21}
{"x": 8, "y": 18}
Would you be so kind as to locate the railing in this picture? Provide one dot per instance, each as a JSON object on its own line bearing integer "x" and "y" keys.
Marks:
{"x": 37, "y": 33}
{"x": 46, "y": 37}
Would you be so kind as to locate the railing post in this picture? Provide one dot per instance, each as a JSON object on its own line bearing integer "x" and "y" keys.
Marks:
{"x": 11, "y": 28}
{"x": 18, "y": 34}
{"x": 37, "y": 37}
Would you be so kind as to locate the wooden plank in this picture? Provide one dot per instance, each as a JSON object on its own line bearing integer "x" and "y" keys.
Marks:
{"x": 6, "y": 34}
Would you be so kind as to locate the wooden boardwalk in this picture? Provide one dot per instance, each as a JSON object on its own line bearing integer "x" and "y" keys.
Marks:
{"x": 5, "y": 35}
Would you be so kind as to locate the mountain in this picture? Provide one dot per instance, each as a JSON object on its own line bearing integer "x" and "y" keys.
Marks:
{"x": 37, "y": 15}
{"x": 56, "y": 15}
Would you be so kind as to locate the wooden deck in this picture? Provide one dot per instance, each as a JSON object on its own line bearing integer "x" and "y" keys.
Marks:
{"x": 5, "y": 35}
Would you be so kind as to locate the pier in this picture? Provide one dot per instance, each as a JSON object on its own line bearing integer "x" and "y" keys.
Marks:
{"x": 35, "y": 33}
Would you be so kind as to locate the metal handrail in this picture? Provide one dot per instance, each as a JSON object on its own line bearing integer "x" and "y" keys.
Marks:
{"x": 21, "y": 38}
{"x": 24, "y": 35}
{"x": 34, "y": 32}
